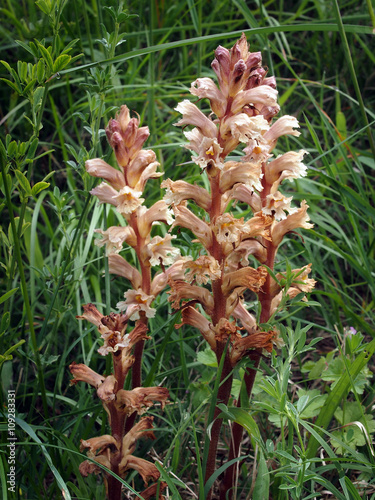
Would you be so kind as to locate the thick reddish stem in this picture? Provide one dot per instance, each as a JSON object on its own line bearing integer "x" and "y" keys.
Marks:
{"x": 222, "y": 397}
{"x": 226, "y": 489}
{"x": 265, "y": 299}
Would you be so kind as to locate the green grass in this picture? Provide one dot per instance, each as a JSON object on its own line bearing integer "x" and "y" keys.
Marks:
{"x": 321, "y": 54}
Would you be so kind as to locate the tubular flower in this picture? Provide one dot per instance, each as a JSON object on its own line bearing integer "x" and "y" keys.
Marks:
{"x": 159, "y": 212}
{"x": 286, "y": 166}
{"x": 136, "y": 301}
{"x": 161, "y": 250}
{"x": 277, "y": 204}
{"x": 297, "y": 219}
{"x": 185, "y": 218}
{"x": 191, "y": 115}
{"x": 128, "y": 200}
{"x": 141, "y": 399}
{"x": 114, "y": 237}
{"x": 179, "y": 191}
{"x": 181, "y": 290}
{"x": 207, "y": 148}
{"x": 118, "y": 265}
{"x": 202, "y": 270}
{"x": 99, "y": 168}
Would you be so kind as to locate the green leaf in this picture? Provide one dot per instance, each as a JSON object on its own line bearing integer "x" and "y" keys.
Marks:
{"x": 41, "y": 71}
{"x": 243, "y": 418}
{"x": 29, "y": 86}
{"x": 12, "y": 85}
{"x": 38, "y": 187}
{"x": 24, "y": 183}
{"x": 29, "y": 48}
{"x": 7, "y": 295}
{"x": 61, "y": 62}
{"x": 22, "y": 70}
{"x": 338, "y": 393}
{"x": 46, "y": 55}
{"x": 207, "y": 357}
{"x": 262, "y": 482}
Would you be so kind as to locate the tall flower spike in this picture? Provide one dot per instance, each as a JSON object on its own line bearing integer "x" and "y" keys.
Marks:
{"x": 123, "y": 188}
{"x": 244, "y": 103}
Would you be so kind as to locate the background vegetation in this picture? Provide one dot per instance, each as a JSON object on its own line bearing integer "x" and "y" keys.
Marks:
{"x": 66, "y": 68}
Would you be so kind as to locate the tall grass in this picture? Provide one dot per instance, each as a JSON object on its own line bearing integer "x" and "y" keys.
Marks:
{"x": 321, "y": 55}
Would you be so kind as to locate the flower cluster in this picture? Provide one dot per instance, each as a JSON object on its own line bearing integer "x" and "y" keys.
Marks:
{"x": 243, "y": 106}
{"x": 123, "y": 188}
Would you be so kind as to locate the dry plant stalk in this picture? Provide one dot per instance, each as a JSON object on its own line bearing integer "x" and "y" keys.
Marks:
{"x": 123, "y": 189}
{"x": 241, "y": 112}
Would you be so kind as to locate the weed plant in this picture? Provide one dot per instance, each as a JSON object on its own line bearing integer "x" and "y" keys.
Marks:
{"x": 67, "y": 67}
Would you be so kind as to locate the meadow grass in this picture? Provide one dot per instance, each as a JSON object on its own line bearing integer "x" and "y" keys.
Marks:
{"x": 299, "y": 443}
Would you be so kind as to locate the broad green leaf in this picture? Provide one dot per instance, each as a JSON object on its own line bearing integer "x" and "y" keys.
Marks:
{"x": 61, "y": 62}
{"x": 24, "y": 183}
{"x": 207, "y": 357}
{"x": 262, "y": 482}
{"x": 243, "y": 418}
{"x": 338, "y": 393}
{"x": 38, "y": 187}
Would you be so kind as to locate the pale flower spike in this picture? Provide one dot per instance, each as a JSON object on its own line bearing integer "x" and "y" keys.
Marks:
{"x": 123, "y": 188}
{"x": 243, "y": 106}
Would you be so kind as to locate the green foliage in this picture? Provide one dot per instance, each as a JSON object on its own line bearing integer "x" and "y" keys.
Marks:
{"x": 66, "y": 67}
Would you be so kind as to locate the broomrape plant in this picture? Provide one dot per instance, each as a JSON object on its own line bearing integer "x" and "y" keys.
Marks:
{"x": 209, "y": 290}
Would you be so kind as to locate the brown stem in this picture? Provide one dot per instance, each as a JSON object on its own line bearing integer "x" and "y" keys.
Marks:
{"x": 222, "y": 397}
{"x": 226, "y": 487}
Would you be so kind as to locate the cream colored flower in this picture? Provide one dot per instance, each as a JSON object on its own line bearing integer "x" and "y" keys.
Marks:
{"x": 136, "y": 301}
{"x": 160, "y": 249}
{"x": 128, "y": 200}
{"x": 159, "y": 212}
{"x": 287, "y": 166}
{"x": 246, "y": 277}
{"x": 206, "y": 88}
{"x": 100, "y": 168}
{"x": 118, "y": 265}
{"x": 106, "y": 194}
{"x": 181, "y": 290}
{"x": 185, "y": 218}
{"x": 92, "y": 315}
{"x": 247, "y": 195}
{"x": 283, "y": 126}
{"x": 114, "y": 237}
{"x": 174, "y": 272}
{"x": 179, "y": 191}
{"x": 277, "y": 204}
{"x": 262, "y": 95}
{"x": 240, "y": 255}
{"x": 193, "y": 116}
{"x": 113, "y": 341}
{"x": 83, "y": 373}
{"x": 207, "y": 149}
{"x": 298, "y": 219}
{"x": 248, "y": 321}
{"x": 245, "y": 173}
{"x": 147, "y": 470}
{"x": 191, "y": 316}
{"x": 228, "y": 229}
{"x": 142, "y": 167}
{"x": 140, "y": 399}
{"x": 202, "y": 269}
{"x": 244, "y": 128}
